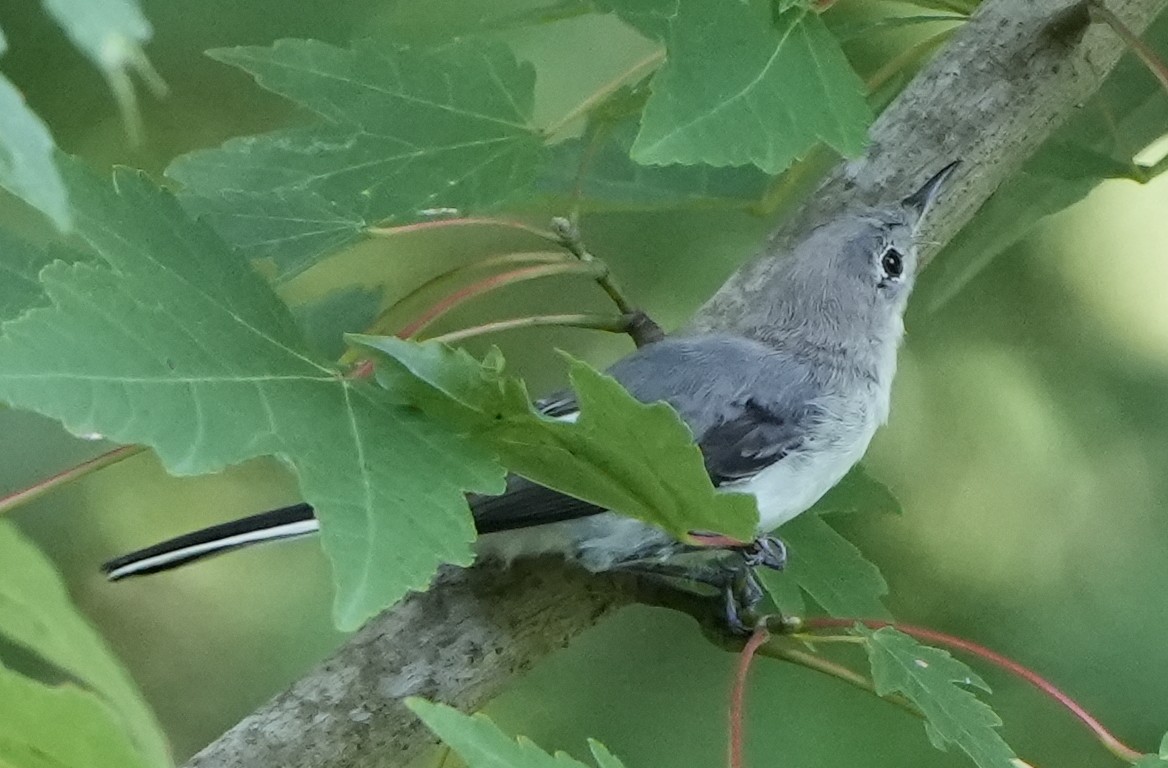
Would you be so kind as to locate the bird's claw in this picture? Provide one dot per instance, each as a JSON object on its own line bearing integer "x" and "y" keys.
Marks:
{"x": 766, "y": 551}
{"x": 741, "y": 596}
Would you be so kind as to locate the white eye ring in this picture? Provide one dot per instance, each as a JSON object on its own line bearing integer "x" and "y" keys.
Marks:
{"x": 892, "y": 264}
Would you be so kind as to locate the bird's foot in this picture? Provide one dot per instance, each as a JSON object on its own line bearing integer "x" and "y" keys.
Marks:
{"x": 741, "y": 597}
{"x": 766, "y": 551}
{"x": 732, "y": 576}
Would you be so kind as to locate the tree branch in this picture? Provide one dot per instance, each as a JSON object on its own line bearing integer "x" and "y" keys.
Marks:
{"x": 1011, "y": 76}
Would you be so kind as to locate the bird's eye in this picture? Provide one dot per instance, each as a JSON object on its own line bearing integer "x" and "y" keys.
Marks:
{"x": 892, "y": 263}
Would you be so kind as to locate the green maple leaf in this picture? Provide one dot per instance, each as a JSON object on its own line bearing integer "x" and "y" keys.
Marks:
{"x": 175, "y": 343}
{"x": 480, "y": 743}
{"x": 619, "y": 454}
{"x": 739, "y": 87}
{"x": 938, "y": 685}
{"x": 37, "y": 614}
{"x": 405, "y": 131}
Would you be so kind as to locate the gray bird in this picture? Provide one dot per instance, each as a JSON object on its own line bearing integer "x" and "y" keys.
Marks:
{"x": 781, "y": 411}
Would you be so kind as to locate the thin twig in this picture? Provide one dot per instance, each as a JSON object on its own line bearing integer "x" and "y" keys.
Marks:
{"x": 738, "y": 695}
{"x": 643, "y": 329}
{"x": 847, "y": 639}
{"x": 612, "y": 323}
{"x": 819, "y": 664}
{"x": 469, "y": 221}
{"x": 495, "y": 282}
{"x": 386, "y": 321}
{"x": 26, "y": 495}
{"x": 1105, "y": 737}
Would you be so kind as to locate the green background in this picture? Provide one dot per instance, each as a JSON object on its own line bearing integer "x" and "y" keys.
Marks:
{"x": 1028, "y": 443}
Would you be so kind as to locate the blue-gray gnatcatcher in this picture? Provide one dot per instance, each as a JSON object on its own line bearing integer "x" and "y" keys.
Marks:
{"x": 781, "y": 411}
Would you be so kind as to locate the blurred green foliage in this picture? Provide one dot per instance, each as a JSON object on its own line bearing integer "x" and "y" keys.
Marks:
{"x": 1027, "y": 444}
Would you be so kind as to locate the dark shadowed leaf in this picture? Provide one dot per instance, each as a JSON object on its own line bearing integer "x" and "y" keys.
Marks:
{"x": 405, "y": 131}
{"x": 613, "y": 181}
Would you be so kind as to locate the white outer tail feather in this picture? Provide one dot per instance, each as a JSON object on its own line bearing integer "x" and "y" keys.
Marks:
{"x": 275, "y": 533}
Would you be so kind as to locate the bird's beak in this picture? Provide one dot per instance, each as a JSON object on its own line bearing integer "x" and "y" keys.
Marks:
{"x": 921, "y": 201}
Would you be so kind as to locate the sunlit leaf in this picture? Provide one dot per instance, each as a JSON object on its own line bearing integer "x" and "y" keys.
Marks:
{"x": 481, "y": 744}
{"x": 620, "y": 454}
{"x": 939, "y": 686}
{"x": 63, "y": 726}
{"x": 36, "y": 613}
{"x": 177, "y": 344}
{"x": 407, "y": 131}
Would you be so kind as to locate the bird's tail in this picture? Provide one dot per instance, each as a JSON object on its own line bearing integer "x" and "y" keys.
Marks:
{"x": 276, "y": 525}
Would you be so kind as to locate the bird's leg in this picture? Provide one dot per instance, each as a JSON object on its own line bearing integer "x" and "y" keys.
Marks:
{"x": 733, "y": 576}
{"x": 767, "y": 551}
{"x": 704, "y": 574}
{"x": 742, "y": 591}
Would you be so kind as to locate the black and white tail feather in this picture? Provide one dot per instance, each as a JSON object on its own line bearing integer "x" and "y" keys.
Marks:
{"x": 292, "y": 522}
{"x": 493, "y": 514}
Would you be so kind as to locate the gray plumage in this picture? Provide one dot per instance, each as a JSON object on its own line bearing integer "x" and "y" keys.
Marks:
{"x": 782, "y": 410}
{"x": 782, "y": 413}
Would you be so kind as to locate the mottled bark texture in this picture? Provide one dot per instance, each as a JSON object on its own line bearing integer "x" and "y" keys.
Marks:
{"x": 990, "y": 97}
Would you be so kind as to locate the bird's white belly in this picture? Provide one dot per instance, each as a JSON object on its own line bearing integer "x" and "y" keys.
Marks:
{"x": 791, "y": 486}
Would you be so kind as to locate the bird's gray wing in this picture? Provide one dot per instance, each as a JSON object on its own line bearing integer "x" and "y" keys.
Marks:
{"x": 525, "y": 504}
{"x": 747, "y": 404}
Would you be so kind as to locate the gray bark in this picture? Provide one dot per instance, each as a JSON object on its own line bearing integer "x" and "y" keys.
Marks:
{"x": 990, "y": 97}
